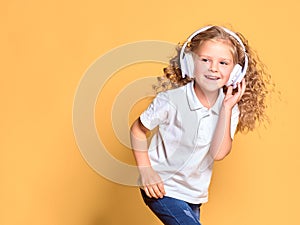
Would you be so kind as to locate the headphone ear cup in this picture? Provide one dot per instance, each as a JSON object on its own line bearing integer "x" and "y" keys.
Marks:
{"x": 187, "y": 67}
{"x": 235, "y": 76}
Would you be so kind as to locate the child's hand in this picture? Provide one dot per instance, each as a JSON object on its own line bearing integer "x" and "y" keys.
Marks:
{"x": 152, "y": 183}
{"x": 231, "y": 99}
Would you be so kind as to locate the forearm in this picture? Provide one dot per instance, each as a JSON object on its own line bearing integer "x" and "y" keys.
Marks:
{"x": 221, "y": 142}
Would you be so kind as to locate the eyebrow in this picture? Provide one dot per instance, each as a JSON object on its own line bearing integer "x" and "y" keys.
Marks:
{"x": 226, "y": 59}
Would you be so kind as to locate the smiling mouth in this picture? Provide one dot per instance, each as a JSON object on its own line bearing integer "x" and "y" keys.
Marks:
{"x": 211, "y": 77}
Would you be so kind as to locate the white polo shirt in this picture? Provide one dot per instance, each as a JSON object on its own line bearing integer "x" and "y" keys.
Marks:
{"x": 179, "y": 149}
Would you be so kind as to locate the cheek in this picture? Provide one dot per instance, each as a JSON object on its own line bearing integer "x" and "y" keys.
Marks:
{"x": 225, "y": 72}
{"x": 200, "y": 67}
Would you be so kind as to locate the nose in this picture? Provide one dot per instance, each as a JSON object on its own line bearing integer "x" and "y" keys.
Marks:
{"x": 213, "y": 67}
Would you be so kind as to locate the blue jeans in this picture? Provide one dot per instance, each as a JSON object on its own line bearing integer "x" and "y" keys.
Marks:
{"x": 173, "y": 211}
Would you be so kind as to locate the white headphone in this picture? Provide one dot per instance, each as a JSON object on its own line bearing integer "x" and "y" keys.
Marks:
{"x": 187, "y": 61}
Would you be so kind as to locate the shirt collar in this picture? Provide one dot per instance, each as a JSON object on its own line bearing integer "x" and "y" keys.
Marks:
{"x": 194, "y": 102}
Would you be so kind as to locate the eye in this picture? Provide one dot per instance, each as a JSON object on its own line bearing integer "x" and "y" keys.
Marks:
{"x": 204, "y": 59}
{"x": 224, "y": 63}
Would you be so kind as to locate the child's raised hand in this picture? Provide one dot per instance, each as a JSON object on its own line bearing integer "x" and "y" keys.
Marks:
{"x": 152, "y": 183}
{"x": 231, "y": 99}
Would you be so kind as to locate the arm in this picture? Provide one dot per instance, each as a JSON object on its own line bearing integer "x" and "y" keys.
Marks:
{"x": 151, "y": 181}
{"x": 221, "y": 144}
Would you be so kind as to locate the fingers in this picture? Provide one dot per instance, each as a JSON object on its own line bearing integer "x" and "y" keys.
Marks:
{"x": 161, "y": 188}
{"x": 155, "y": 191}
{"x": 231, "y": 99}
{"x": 152, "y": 183}
{"x": 229, "y": 91}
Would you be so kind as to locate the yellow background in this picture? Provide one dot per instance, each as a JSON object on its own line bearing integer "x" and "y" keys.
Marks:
{"x": 46, "y": 46}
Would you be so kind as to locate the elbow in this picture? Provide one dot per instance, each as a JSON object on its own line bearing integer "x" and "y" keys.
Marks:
{"x": 222, "y": 154}
{"x": 217, "y": 158}
{"x": 220, "y": 157}
{"x": 224, "y": 150}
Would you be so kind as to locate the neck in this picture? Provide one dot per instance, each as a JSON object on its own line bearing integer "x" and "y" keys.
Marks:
{"x": 207, "y": 98}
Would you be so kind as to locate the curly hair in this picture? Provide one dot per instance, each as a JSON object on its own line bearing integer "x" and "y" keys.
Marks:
{"x": 253, "y": 103}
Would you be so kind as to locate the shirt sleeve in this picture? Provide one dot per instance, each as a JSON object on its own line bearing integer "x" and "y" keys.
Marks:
{"x": 234, "y": 120}
{"x": 157, "y": 112}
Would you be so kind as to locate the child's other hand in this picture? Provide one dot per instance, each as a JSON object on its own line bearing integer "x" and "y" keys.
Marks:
{"x": 231, "y": 99}
{"x": 152, "y": 183}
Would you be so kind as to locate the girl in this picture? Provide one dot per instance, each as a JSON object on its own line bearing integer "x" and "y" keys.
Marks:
{"x": 214, "y": 87}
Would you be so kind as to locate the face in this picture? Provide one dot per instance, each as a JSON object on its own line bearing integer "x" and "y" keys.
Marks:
{"x": 213, "y": 65}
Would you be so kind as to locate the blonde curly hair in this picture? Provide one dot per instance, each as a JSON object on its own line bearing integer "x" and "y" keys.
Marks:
{"x": 253, "y": 103}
